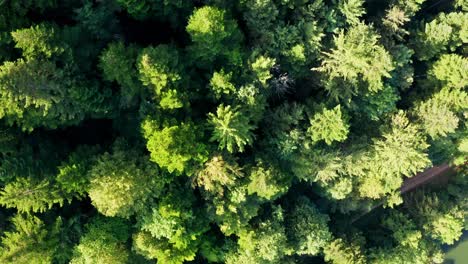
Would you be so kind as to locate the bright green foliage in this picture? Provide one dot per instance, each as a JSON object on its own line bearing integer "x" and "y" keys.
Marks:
{"x": 266, "y": 244}
{"x": 445, "y": 32}
{"x": 267, "y": 182}
{"x": 233, "y": 210}
{"x": 30, "y": 241}
{"x": 116, "y": 178}
{"x": 308, "y": 228}
{"x": 410, "y": 7}
{"x": 252, "y": 102}
{"x": 436, "y": 118}
{"x": 409, "y": 244}
{"x": 40, "y": 41}
{"x": 117, "y": 63}
{"x": 456, "y": 100}
{"x": 355, "y": 61}
{"x": 450, "y": 70}
{"x": 30, "y": 194}
{"x": 103, "y": 243}
{"x": 439, "y": 218}
{"x": 175, "y": 148}
{"x": 400, "y": 152}
{"x": 462, "y": 4}
{"x": 328, "y": 125}
{"x": 341, "y": 251}
{"x": 218, "y": 173}
{"x": 220, "y": 84}
{"x": 352, "y": 10}
{"x": 195, "y": 123}
{"x": 159, "y": 68}
{"x": 231, "y": 128}
{"x": 213, "y": 34}
{"x": 73, "y": 173}
{"x": 37, "y": 93}
{"x": 261, "y": 68}
{"x": 171, "y": 231}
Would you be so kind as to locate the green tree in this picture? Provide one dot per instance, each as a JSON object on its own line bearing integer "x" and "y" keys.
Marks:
{"x": 356, "y": 63}
{"x": 267, "y": 182}
{"x": 217, "y": 173}
{"x": 30, "y": 241}
{"x": 328, "y": 125}
{"x": 160, "y": 69}
{"x": 352, "y": 10}
{"x": 73, "y": 175}
{"x": 446, "y": 32}
{"x": 39, "y": 41}
{"x": 436, "y": 118}
{"x": 307, "y": 228}
{"x": 104, "y": 242}
{"x": 450, "y": 70}
{"x": 266, "y": 243}
{"x": 261, "y": 68}
{"x": 171, "y": 232}
{"x": 342, "y": 251}
{"x": 439, "y": 217}
{"x": 231, "y": 128}
{"x": 176, "y": 148}
{"x": 117, "y": 63}
{"x": 214, "y": 35}
{"x": 220, "y": 84}
{"x": 33, "y": 94}
{"x": 400, "y": 152}
{"x": 116, "y": 179}
{"x": 31, "y": 194}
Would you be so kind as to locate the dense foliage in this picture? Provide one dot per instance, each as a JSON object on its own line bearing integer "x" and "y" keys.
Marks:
{"x": 240, "y": 132}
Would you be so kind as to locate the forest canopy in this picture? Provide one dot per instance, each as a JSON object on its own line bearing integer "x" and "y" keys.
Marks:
{"x": 238, "y": 132}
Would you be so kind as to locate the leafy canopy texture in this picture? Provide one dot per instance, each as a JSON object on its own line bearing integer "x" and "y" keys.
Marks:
{"x": 115, "y": 187}
{"x": 238, "y": 132}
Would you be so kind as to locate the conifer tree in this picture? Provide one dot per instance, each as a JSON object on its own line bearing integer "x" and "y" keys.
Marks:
{"x": 356, "y": 63}
{"x": 231, "y": 128}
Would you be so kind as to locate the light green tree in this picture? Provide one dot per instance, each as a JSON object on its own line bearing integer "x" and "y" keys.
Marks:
{"x": 116, "y": 179}
{"x": 231, "y": 128}
{"x": 30, "y": 241}
{"x": 356, "y": 63}
{"x": 176, "y": 148}
{"x": 214, "y": 35}
{"x": 328, "y": 125}
{"x": 104, "y": 242}
{"x": 160, "y": 69}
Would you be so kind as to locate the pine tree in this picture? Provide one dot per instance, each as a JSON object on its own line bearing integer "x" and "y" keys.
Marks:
{"x": 328, "y": 125}
{"x": 356, "y": 63}
{"x": 231, "y": 128}
{"x": 30, "y": 241}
